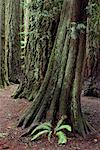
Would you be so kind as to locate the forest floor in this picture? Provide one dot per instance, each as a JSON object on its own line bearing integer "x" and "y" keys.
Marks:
{"x": 10, "y": 136}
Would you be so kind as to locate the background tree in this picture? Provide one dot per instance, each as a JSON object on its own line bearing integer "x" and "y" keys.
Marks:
{"x": 92, "y": 61}
{"x": 59, "y": 94}
{"x": 12, "y": 38}
{"x": 3, "y": 76}
{"x": 44, "y": 18}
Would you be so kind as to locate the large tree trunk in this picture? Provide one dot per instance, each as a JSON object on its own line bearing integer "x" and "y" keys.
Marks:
{"x": 59, "y": 94}
{"x": 12, "y": 38}
{"x": 92, "y": 63}
{"x": 3, "y": 70}
{"x": 42, "y": 31}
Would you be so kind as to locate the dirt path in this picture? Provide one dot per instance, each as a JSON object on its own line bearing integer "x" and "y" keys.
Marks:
{"x": 10, "y": 135}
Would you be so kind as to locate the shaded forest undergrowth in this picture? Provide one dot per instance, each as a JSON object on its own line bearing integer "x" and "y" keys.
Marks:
{"x": 10, "y": 135}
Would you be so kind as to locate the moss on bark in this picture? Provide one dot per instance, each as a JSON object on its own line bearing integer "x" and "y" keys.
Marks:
{"x": 44, "y": 18}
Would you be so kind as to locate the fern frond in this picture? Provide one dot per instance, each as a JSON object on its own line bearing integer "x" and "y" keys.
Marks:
{"x": 62, "y": 139}
{"x": 43, "y": 126}
{"x": 67, "y": 127}
{"x": 49, "y": 136}
{"x": 39, "y": 134}
{"x": 60, "y": 122}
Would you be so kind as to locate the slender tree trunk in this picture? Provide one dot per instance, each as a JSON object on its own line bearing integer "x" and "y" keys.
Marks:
{"x": 12, "y": 38}
{"x": 3, "y": 77}
{"x": 59, "y": 94}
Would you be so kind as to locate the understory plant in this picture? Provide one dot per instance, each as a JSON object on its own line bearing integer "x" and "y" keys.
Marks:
{"x": 59, "y": 131}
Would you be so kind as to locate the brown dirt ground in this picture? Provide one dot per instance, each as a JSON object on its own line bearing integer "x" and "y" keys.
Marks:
{"x": 11, "y": 109}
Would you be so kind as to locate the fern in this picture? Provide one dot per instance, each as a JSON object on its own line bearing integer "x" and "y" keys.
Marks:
{"x": 46, "y": 128}
{"x": 62, "y": 138}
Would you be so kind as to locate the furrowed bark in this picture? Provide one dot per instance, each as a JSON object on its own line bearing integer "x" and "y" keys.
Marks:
{"x": 12, "y": 40}
{"x": 39, "y": 45}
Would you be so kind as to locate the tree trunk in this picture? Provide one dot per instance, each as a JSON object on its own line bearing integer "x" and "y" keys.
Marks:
{"x": 59, "y": 94}
{"x": 92, "y": 63}
{"x": 42, "y": 32}
{"x": 3, "y": 77}
{"x": 12, "y": 38}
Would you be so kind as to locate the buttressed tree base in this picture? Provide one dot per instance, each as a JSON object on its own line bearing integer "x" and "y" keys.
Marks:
{"x": 59, "y": 94}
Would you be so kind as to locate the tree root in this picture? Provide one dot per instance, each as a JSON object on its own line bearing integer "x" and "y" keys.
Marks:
{"x": 34, "y": 113}
{"x": 30, "y": 129}
{"x": 33, "y": 118}
{"x": 18, "y": 91}
{"x": 25, "y": 120}
{"x": 85, "y": 128}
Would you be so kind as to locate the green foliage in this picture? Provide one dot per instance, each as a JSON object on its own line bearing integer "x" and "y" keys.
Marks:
{"x": 62, "y": 139}
{"x": 60, "y": 122}
{"x": 43, "y": 128}
{"x": 39, "y": 134}
{"x": 46, "y": 128}
{"x": 59, "y": 131}
{"x": 24, "y": 4}
{"x": 93, "y": 11}
{"x": 49, "y": 135}
{"x": 67, "y": 127}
